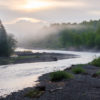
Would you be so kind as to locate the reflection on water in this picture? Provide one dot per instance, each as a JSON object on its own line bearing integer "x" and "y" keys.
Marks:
{"x": 19, "y": 76}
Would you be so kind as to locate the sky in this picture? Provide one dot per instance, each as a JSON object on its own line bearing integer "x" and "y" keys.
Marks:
{"x": 49, "y": 10}
{"x": 19, "y": 14}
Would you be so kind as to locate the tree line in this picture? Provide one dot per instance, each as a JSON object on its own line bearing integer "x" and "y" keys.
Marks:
{"x": 85, "y": 35}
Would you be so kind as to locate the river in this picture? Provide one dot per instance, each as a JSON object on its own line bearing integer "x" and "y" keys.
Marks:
{"x": 18, "y": 76}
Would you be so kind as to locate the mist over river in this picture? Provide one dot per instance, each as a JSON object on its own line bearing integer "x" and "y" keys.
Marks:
{"x": 18, "y": 76}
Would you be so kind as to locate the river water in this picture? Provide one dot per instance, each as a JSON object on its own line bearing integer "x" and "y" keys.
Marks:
{"x": 18, "y": 76}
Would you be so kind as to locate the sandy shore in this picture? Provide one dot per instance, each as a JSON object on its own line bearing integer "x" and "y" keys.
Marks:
{"x": 81, "y": 87}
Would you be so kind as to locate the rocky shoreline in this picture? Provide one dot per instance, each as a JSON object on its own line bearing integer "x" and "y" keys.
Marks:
{"x": 84, "y": 86}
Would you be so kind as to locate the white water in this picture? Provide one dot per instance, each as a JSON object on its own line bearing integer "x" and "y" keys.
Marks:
{"x": 19, "y": 76}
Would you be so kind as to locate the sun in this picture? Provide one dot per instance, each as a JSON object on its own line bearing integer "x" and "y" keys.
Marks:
{"x": 33, "y": 4}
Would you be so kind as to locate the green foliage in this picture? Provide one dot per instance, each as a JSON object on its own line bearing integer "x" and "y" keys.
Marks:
{"x": 96, "y": 62}
{"x": 60, "y": 75}
{"x": 85, "y": 35}
{"x": 11, "y": 43}
{"x": 78, "y": 69}
{"x": 97, "y": 73}
{"x": 27, "y": 57}
{"x": 34, "y": 93}
{"x": 7, "y": 42}
{"x": 97, "y": 41}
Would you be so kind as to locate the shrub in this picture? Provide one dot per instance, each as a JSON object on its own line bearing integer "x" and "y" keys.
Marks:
{"x": 78, "y": 69}
{"x": 60, "y": 75}
{"x": 96, "y": 74}
{"x": 34, "y": 93}
{"x": 96, "y": 62}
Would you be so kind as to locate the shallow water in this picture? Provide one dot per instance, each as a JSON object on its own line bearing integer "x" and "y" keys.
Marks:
{"x": 19, "y": 76}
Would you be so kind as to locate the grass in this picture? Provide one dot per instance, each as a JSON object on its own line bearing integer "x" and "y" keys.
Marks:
{"x": 96, "y": 74}
{"x": 27, "y": 57}
{"x": 5, "y": 60}
{"x": 78, "y": 69}
{"x": 60, "y": 75}
{"x": 9, "y": 60}
{"x": 96, "y": 62}
{"x": 34, "y": 93}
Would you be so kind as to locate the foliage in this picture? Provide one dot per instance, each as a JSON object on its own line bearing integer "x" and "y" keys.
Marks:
{"x": 34, "y": 93}
{"x": 96, "y": 62}
{"x": 97, "y": 73}
{"x": 60, "y": 75}
{"x": 85, "y": 35}
{"x": 78, "y": 69}
{"x": 11, "y": 42}
{"x": 7, "y": 42}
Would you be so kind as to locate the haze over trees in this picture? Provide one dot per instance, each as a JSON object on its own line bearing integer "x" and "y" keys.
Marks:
{"x": 7, "y": 42}
{"x": 82, "y": 36}
{"x": 85, "y": 35}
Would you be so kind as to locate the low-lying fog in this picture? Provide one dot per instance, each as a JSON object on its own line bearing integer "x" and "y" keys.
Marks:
{"x": 25, "y": 30}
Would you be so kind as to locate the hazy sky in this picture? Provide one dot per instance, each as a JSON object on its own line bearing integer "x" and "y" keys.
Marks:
{"x": 49, "y": 10}
{"x": 27, "y": 16}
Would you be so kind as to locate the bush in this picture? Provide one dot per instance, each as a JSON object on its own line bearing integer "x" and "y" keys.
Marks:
{"x": 97, "y": 74}
{"x": 96, "y": 62}
{"x": 60, "y": 75}
{"x": 78, "y": 69}
{"x": 34, "y": 93}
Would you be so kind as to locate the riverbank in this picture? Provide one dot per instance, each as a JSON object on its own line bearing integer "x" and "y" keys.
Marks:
{"x": 83, "y": 86}
{"x": 29, "y": 57}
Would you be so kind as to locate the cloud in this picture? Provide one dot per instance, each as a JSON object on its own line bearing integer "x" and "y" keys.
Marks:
{"x": 25, "y": 19}
{"x": 24, "y": 28}
{"x": 20, "y": 5}
{"x": 58, "y": 11}
{"x": 24, "y": 23}
{"x": 95, "y": 12}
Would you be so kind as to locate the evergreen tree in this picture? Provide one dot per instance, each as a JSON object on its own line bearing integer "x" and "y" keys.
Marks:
{"x": 7, "y": 43}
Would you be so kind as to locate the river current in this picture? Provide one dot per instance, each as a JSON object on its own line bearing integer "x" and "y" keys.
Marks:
{"x": 18, "y": 76}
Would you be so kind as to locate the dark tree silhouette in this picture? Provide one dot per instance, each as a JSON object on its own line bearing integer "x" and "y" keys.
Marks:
{"x": 7, "y": 42}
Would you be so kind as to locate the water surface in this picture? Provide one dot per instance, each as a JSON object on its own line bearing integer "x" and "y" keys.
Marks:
{"x": 19, "y": 76}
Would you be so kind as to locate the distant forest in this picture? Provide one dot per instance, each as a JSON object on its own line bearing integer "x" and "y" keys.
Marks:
{"x": 82, "y": 36}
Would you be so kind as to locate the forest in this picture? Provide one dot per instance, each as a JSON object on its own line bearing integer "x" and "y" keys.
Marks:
{"x": 81, "y": 36}
{"x": 68, "y": 36}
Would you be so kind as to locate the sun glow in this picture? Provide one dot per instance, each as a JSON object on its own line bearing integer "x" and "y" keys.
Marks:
{"x": 32, "y": 4}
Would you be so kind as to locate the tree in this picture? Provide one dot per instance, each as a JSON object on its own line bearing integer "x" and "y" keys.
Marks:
{"x": 7, "y": 42}
{"x": 11, "y": 44}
